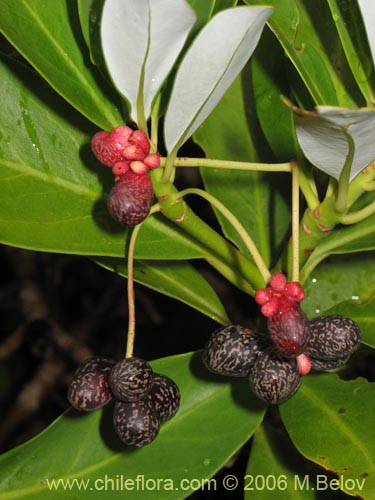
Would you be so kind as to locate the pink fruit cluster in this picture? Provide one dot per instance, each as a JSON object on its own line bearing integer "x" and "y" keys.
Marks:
{"x": 279, "y": 294}
{"x": 124, "y": 149}
{"x": 287, "y": 323}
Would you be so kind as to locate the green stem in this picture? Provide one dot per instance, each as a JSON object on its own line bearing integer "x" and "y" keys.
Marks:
{"x": 169, "y": 164}
{"x": 250, "y": 245}
{"x": 370, "y": 186}
{"x": 359, "y": 215}
{"x": 295, "y": 223}
{"x": 216, "y": 250}
{"x": 341, "y": 203}
{"x": 307, "y": 186}
{"x": 233, "y": 165}
{"x": 155, "y": 115}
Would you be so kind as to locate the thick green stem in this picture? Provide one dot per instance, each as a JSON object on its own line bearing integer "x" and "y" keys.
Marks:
{"x": 250, "y": 245}
{"x": 319, "y": 223}
{"x": 219, "y": 252}
{"x": 341, "y": 202}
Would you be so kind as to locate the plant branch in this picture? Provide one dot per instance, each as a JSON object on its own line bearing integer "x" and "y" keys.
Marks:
{"x": 341, "y": 203}
{"x": 359, "y": 215}
{"x": 295, "y": 223}
{"x": 250, "y": 245}
{"x": 233, "y": 165}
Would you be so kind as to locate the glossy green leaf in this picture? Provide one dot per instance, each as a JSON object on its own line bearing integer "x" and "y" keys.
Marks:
{"x": 350, "y": 30}
{"x": 357, "y": 237}
{"x": 247, "y": 194}
{"x": 89, "y": 17}
{"x": 330, "y": 421}
{"x": 367, "y": 8}
{"x": 141, "y": 41}
{"x": 178, "y": 280}
{"x": 205, "y": 10}
{"x": 307, "y": 33}
{"x": 362, "y": 314}
{"x": 224, "y": 45}
{"x": 270, "y": 81}
{"x": 276, "y": 469}
{"x": 49, "y": 36}
{"x": 342, "y": 278}
{"x": 327, "y": 136}
{"x": 52, "y": 187}
{"x": 214, "y": 420}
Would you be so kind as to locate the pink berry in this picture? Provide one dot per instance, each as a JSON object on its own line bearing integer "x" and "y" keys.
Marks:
{"x": 303, "y": 364}
{"x": 152, "y": 161}
{"x": 294, "y": 290}
{"x": 270, "y": 308}
{"x": 262, "y": 296}
{"x": 278, "y": 282}
{"x": 133, "y": 152}
{"x": 138, "y": 167}
{"x": 108, "y": 146}
{"x": 139, "y": 138}
{"x": 120, "y": 168}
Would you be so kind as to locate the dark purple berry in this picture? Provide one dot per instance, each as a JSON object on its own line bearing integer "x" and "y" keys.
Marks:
{"x": 164, "y": 397}
{"x": 328, "y": 364}
{"x": 89, "y": 389}
{"x": 136, "y": 422}
{"x": 289, "y": 328}
{"x": 130, "y": 199}
{"x": 332, "y": 337}
{"x": 130, "y": 379}
{"x": 274, "y": 379}
{"x": 232, "y": 350}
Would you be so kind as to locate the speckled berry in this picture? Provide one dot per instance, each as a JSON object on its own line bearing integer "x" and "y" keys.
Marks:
{"x": 130, "y": 199}
{"x": 89, "y": 389}
{"x": 130, "y": 379}
{"x": 274, "y": 379}
{"x": 164, "y": 397}
{"x": 332, "y": 337}
{"x": 232, "y": 350}
{"x": 328, "y": 364}
{"x": 289, "y": 328}
{"x": 136, "y": 423}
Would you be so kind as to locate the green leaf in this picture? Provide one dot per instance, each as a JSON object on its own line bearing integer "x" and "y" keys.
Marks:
{"x": 350, "y": 29}
{"x": 359, "y": 237}
{"x": 276, "y": 466}
{"x": 307, "y": 33}
{"x": 344, "y": 278}
{"x": 330, "y": 421}
{"x": 215, "y": 419}
{"x": 247, "y": 194}
{"x": 90, "y": 12}
{"x": 224, "y": 45}
{"x": 205, "y": 10}
{"x": 325, "y": 137}
{"x": 134, "y": 35}
{"x": 270, "y": 81}
{"x": 178, "y": 280}
{"x": 48, "y": 35}
{"x": 362, "y": 314}
{"x": 368, "y": 15}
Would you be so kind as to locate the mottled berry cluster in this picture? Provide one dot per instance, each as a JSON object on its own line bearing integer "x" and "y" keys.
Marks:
{"x": 127, "y": 153}
{"x": 236, "y": 351}
{"x": 144, "y": 399}
{"x": 275, "y": 363}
